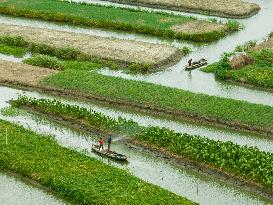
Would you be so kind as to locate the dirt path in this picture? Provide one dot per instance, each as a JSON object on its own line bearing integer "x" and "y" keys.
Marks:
{"x": 106, "y": 48}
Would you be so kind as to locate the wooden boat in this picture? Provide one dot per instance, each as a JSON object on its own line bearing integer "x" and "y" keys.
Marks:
{"x": 196, "y": 64}
{"x": 109, "y": 154}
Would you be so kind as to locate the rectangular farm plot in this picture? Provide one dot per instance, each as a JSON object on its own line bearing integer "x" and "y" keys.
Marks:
{"x": 122, "y": 51}
{"x": 123, "y": 19}
{"x": 22, "y": 74}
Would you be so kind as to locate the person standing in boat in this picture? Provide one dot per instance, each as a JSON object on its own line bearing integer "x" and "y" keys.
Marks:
{"x": 190, "y": 62}
{"x": 101, "y": 143}
{"x": 109, "y": 142}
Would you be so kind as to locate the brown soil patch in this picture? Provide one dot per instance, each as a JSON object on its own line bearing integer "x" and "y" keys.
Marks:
{"x": 265, "y": 44}
{"x": 224, "y": 8}
{"x": 240, "y": 61}
{"x": 106, "y": 48}
{"x": 22, "y": 73}
{"x": 198, "y": 27}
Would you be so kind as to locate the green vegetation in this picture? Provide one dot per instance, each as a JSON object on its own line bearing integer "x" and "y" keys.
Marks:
{"x": 57, "y": 64}
{"x": 157, "y": 97}
{"x": 81, "y": 179}
{"x": 258, "y": 73}
{"x": 245, "y": 161}
{"x": 93, "y": 119}
{"x": 154, "y": 23}
{"x": 44, "y": 61}
{"x": 233, "y": 25}
{"x": 12, "y": 50}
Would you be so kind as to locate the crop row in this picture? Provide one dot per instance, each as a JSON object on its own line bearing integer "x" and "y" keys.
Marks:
{"x": 167, "y": 100}
{"x": 75, "y": 176}
{"x": 92, "y": 118}
{"x": 158, "y": 24}
{"x": 247, "y": 162}
{"x": 12, "y": 50}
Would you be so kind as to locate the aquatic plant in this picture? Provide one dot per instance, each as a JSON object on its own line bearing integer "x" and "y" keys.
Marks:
{"x": 248, "y": 162}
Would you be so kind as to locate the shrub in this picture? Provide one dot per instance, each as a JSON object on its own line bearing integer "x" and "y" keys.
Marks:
{"x": 233, "y": 25}
{"x": 223, "y": 67}
{"x": 44, "y": 61}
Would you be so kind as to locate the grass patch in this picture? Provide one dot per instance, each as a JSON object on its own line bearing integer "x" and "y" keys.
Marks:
{"x": 161, "y": 97}
{"x": 81, "y": 179}
{"x": 57, "y": 64}
{"x": 153, "y": 23}
{"x": 12, "y": 50}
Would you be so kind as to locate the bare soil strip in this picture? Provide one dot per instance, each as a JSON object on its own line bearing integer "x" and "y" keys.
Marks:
{"x": 98, "y": 47}
{"x": 22, "y": 75}
{"x": 222, "y": 8}
{"x": 266, "y": 44}
{"x": 198, "y": 27}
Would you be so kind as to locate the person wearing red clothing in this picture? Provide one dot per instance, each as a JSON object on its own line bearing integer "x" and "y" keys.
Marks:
{"x": 101, "y": 143}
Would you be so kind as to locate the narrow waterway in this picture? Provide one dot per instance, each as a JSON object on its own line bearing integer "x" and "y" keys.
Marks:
{"x": 195, "y": 186}
{"x": 95, "y": 32}
{"x": 14, "y": 192}
{"x": 256, "y": 28}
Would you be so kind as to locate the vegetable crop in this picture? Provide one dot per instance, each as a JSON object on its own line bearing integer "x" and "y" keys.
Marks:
{"x": 75, "y": 176}
{"x": 94, "y": 119}
{"x": 245, "y": 161}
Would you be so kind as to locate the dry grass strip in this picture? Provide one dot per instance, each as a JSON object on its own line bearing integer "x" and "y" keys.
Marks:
{"x": 224, "y": 8}
{"x": 106, "y": 48}
{"x": 266, "y": 44}
{"x": 23, "y": 74}
{"x": 199, "y": 27}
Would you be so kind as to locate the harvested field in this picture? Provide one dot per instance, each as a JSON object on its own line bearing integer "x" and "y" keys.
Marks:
{"x": 223, "y": 8}
{"x": 198, "y": 27}
{"x": 22, "y": 74}
{"x": 106, "y": 48}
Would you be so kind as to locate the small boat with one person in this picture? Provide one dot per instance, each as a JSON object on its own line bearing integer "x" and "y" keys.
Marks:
{"x": 195, "y": 64}
{"x": 108, "y": 153}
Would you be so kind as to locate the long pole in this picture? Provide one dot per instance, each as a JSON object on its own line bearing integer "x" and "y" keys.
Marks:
{"x": 6, "y": 135}
{"x": 197, "y": 188}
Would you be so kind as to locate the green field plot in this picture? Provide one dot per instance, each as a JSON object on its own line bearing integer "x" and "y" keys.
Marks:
{"x": 158, "y": 24}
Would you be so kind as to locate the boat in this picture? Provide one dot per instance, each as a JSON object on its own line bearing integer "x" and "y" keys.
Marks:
{"x": 109, "y": 154}
{"x": 196, "y": 64}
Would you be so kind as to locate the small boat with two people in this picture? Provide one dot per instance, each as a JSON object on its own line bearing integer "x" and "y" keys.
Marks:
{"x": 108, "y": 153}
{"x": 195, "y": 64}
